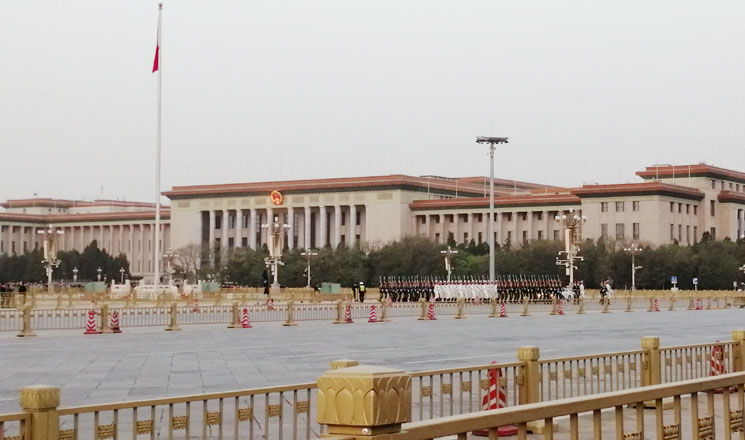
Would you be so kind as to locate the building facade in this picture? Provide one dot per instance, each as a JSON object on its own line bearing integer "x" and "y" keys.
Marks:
{"x": 670, "y": 204}
{"x": 117, "y": 227}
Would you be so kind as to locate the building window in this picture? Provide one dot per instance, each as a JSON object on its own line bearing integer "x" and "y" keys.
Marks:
{"x": 218, "y": 222}
{"x": 465, "y": 237}
{"x": 525, "y": 236}
{"x": 481, "y": 237}
{"x": 730, "y": 186}
{"x": 437, "y": 237}
{"x": 540, "y": 215}
{"x": 713, "y": 184}
{"x": 603, "y": 206}
{"x": 437, "y": 219}
{"x": 540, "y": 235}
{"x": 231, "y": 221}
{"x": 423, "y": 219}
{"x": 688, "y": 208}
{"x": 480, "y": 217}
{"x": 635, "y": 205}
{"x": 603, "y": 230}
{"x": 635, "y": 227}
{"x": 695, "y": 209}
{"x": 619, "y": 206}
{"x": 556, "y": 235}
{"x": 231, "y": 243}
{"x": 343, "y": 218}
{"x": 695, "y": 233}
{"x": 244, "y": 221}
{"x": 509, "y": 236}
{"x": 672, "y": 232}
{"x": 358, "y": 218}
{"x": 506, "y": 217}
{"x": 244, "y": 242}
{"x": 688, "y": 234}
{"x": 672, "y": 206}
{"x": 680, "y": 232}
{"x": 524, "y": 216}
{"x": 465, "y": 218}
{"x": 713, "y": 207}
{"x": 713, "y": 233}
{"x": 680, "y": 208}
{"x": 620, "y": 231}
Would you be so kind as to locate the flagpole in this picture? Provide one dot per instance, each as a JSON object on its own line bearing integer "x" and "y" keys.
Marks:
{"x": 156, "y": 245}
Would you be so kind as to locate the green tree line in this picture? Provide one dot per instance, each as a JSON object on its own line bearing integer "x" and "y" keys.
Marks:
{"x": 28, "y": 267}
{"x": 715, "y": 263}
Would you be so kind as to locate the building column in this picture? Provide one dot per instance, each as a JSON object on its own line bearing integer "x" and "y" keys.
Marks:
{"x": 457, "y": 230}
{"x": 471, "y": 229}
{"x": 323, "y": 227}
{"x": 548, "y": 217}
{"x": 252, "y": 228}
{"x": 291, "y": 229}
{"x": 530, "y": 225}
{"x": 337, "y": 225}
{"x": 238, "y": 228}
{"x": 143, "y": 251}
{"x": 306, "y": 230}
{"x": 443, "y": 236}
{"x": 352, "y": 225}
{"x": 225, "y": 224}
{"x": 211, "y": 244}
{"x": 111, "y": 240}
{"x": 269, "y": 220}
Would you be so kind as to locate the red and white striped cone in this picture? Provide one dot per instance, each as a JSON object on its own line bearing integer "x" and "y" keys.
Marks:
{"x": 196, "y": 305}
{"x": 373, "y": 315}
{"x": 270, "y": 304}
{"x": 114, "y": 323}
{"x": 90, "y": 324}
{"x": 502, "y": 311}
{"x": 717, "y": 361}
{"x": 560, "y": 310}
{"x": 495, "y": 398}
{"x": 348, "y": 312}
{"x": 431, "y": 311}
{"x": 656, "y": 305}
{"x": 699, "y": 306}
{"x": 245, "y": 322}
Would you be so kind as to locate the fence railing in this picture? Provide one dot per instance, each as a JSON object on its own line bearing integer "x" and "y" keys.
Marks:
{"x": 289, "y": 411}
{"x": 131, "y": 315}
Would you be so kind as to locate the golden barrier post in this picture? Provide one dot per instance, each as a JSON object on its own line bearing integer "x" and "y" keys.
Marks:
{"x": 234, "y": 314}
{"x": 690, "y": 303}
{"x": 525, "y": 307}
{"x": 364, "y": 401}
{"x": 581, "y": 309}
{"x": 343, "y": 363}
{"x": 26, "y": 330}
{"x": 739, "y": 350}
{"x": 383, "y": 311}
{"x": 493, "y": 313}
{"x": 459, "y": 314}
{"x": 41, "y": 401}
{"x": 104, "y": 312}
{"x": 553, "y": 305}
{"x": 339, "y": 312}
{"x": 69, "y": 299}
{"x": 606, "y": 305}
{"x": 290, "y": 321}
{"x": 423, "y": 306}
{"x": 218, "y": 297}
{"x": 628, "y": 303}
{"x": 672, "y": 303}
{"x": 173, "y": 326}
{"x": 708, "y": 303}
{"x": 33, "y": 299}
{"x": 59, "y": 301}
{"x": 651, "y": 305}
{"x": 651, "y": 366}
{"x": 529, "y": 381}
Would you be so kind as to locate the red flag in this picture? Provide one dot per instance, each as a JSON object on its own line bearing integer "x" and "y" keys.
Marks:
{"x": 155, "y": 63}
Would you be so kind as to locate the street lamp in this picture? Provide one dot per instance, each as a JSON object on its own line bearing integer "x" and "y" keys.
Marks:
{"x": 74, "y": 274}
{"x": 308, "y": 256}
{"x": 169, "y": 256}
{"x": 99, "y": 273}
{"x": 121, "y": 271}
{"x": 276, "y": 231}
{"x": 492, "y": 141}
{"x": 633, "y": 250}
{"x": 50, "y": 260}
{"x": 448, "y": 254}
{"x": 570, "y": 222}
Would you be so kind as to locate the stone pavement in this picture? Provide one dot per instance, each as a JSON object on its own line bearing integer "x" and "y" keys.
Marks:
{"x": 149, "y": 362}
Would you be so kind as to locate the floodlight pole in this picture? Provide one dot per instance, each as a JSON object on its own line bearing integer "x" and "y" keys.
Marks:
{"x": 492, "y": 141}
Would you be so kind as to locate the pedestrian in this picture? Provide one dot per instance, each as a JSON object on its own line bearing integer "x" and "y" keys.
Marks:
{"x": 362, "y": 292}
{"x": 22, "y": 291}
{"x": 355, "y": 297}
{"x": 265, "y": 280}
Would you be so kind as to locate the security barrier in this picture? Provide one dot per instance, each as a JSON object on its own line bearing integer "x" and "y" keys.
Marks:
{"x": 537, "y": 390}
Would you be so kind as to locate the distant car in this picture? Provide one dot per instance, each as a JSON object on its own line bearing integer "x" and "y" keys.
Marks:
{"x": 566, "y": 294}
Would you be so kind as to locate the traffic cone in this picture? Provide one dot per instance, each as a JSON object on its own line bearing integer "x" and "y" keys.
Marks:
{"x": 196, "y": 305}
{"x": 431, "y": 311}
{"x": 348, "y": 312}
{"x": 699, "y": 306}
{"x": 270, "y": 304}
{"x": 245, "y": 322}
{"x": 496, "y": 398}
{"x": 90, "y": 325}
{"x": 502, "y": 311}
{"x": 115, "y": 322}
{"x": 561, "y": 308}
{"x": 373, "y": 315}
{"x": 656, "y": 305}
{"x": 717, "y": 361}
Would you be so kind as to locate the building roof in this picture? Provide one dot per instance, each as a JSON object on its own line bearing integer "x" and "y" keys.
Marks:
{"x": 57, "y": 219}
{"x": 638, "y": 189}
{"x": 731, "y": 197}
{"x": 370, "y": 183}
{"x": 683, "y": 171}
{"x": 499, "y": 202}
{"x": 62, "y": 203}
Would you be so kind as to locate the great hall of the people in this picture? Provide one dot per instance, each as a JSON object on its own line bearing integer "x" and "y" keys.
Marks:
{"x": 669, "y": 204}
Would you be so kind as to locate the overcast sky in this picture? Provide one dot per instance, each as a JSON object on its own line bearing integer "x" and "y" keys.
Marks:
{"x": 267, "y": 90}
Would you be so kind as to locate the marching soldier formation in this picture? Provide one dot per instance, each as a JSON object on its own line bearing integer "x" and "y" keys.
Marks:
{"x": 506, "y": 288}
